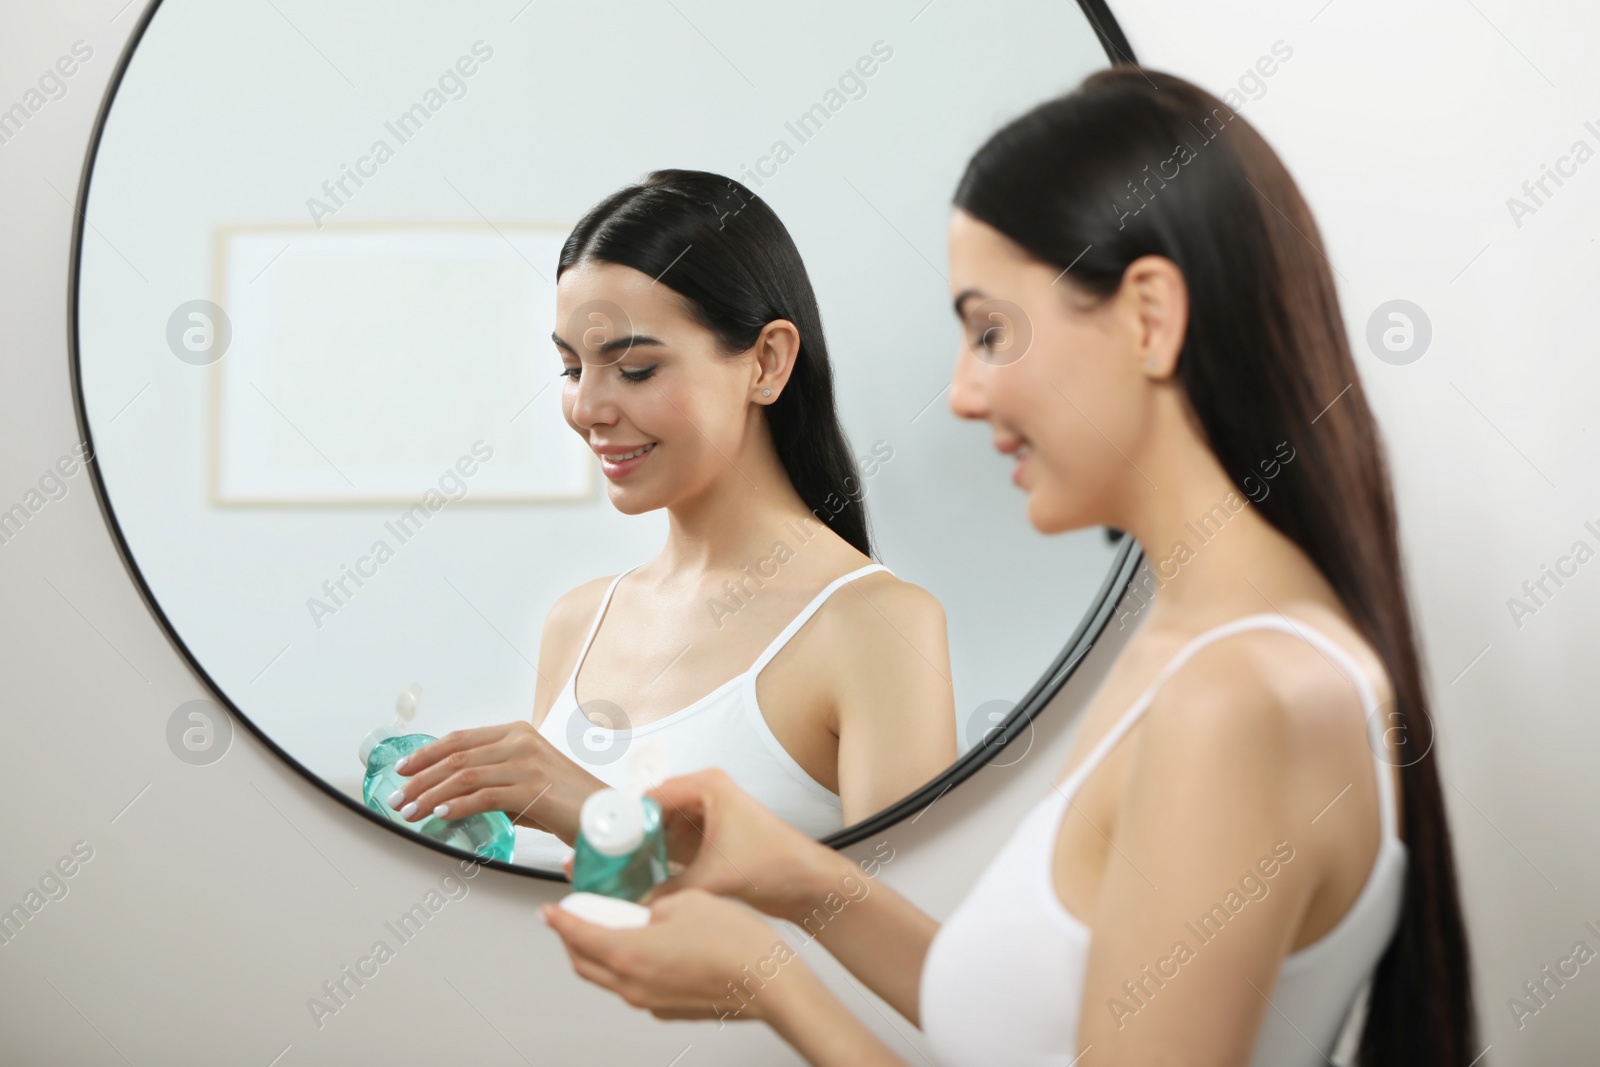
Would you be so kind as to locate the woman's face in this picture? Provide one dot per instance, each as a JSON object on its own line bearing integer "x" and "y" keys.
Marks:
{"x": 647, "y": 387}
{"x": 1058, "y": 383}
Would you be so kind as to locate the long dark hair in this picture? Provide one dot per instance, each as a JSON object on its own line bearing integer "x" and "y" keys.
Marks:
{"x": 723, "y": 250}
{"x": 1134, "y": 163}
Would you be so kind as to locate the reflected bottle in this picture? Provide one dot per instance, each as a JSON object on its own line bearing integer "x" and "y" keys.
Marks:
{"x": 621, "y": 849}
{"x": 488, "y": 835}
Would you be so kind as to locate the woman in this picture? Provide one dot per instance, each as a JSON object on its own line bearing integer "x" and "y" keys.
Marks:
{"x": 762, "y": 638}
{"x": 1239, "y": 839}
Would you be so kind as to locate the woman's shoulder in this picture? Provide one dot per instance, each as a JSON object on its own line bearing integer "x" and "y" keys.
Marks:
{"x": 578, "y": 605}
{"x": 881, "y": 654}
{"x": 883, "y": 596}
{"x": 1253, "y": 738}
{"x": 1282, "y": 667}
{"x": 1266, "y": 699}
{"x": 878, "y": 620}
{"x": 565, "y": 626}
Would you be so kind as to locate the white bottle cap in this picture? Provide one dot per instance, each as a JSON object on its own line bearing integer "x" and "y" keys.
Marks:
{"x": 612, "y": 822}
{"x": 405, "y": 709}
{"x": 407, "y": 703}
{"x": 647, "y": 766}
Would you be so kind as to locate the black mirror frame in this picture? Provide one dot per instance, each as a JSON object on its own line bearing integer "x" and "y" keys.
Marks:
{"x": 1123, "y": 565}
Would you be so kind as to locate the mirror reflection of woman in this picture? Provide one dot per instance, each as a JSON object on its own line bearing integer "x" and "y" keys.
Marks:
{"x": 1248, "y": 831}
{"x": 762, "y": 639}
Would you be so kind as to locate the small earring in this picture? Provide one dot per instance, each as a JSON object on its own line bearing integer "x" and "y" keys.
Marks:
{"x": 1150, "y": 364}
{"x": 766, "y": 392}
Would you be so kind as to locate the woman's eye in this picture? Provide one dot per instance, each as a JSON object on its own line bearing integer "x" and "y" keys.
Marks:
{"x": 574, "y": 373}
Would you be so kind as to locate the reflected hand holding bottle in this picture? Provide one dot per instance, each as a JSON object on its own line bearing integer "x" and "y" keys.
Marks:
{"x": 510, "y": 767}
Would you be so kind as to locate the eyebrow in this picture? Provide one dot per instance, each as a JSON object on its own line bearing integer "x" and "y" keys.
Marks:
{"x": 962, "y": 298}
{"x": 631, "y": 341}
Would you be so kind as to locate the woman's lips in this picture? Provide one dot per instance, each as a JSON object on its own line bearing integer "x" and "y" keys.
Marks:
{"x": 1022, "y": 455}
{"x": 621, "y": 464}
{"x": 1020, "y": 449}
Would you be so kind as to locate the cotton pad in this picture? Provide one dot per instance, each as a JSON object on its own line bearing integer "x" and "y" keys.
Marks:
{"x": 606, "y": 911}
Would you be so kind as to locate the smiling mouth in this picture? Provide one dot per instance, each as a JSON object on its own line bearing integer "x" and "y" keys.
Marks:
{"x": 622, "y": 456}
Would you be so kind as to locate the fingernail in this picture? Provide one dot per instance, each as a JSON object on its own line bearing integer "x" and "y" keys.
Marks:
{"x": 409, "y": 810}
{"x": 396, "y": 797}
{"x": 401, "y": 765}
{"x": 442, "y": 811}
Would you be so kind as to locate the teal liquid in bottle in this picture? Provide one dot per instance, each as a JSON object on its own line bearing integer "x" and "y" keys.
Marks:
{"x": 621, "y": 851}
{"x": 488, "y": 835}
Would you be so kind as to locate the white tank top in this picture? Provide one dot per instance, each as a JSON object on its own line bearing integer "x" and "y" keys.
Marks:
{"x": 1002, "y": 983}
{"x": 724, "y": 728}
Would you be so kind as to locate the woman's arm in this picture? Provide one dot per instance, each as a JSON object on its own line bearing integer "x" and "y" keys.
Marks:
{"x": 879, "y": 935}
{"x": 896, "y": 707}
{"x": 702, "y": 957}
{"x": 732, "y": 846}
{"x": 808, "y": 1016}
{"x": 1211, "y": 864}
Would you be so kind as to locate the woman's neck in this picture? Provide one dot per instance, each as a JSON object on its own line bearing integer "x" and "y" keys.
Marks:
{"x": 737, "y": 518}
{"x": 1210, "y": 550}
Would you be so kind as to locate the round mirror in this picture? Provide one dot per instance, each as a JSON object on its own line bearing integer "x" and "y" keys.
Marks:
{"x": 317, "y": 283}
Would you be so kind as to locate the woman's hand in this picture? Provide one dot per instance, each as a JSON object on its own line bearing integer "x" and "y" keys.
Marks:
{"x": 729, "y": 844}
{"x": 700, "y": 957}
{"x": 510, "y": 768}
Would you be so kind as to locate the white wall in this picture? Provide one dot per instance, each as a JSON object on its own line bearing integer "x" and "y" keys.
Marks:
{"x": 224, "y": 895}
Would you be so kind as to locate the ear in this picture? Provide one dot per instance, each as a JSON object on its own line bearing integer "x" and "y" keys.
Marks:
{"x": 775, "y": 351}
{"x": 1157, "y": 301}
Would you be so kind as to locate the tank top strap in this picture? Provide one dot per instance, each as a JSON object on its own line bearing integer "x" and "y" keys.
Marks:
{"x": 1331, "y": 650}
{"x": 1369, "y": 707}
{"x": 809, "y": 610}
{"x": 594, "y": 628}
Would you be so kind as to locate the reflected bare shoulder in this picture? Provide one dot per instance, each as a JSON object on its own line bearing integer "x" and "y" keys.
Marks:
{"x": 881, "y": 606}
{"x": 565, "y": 625}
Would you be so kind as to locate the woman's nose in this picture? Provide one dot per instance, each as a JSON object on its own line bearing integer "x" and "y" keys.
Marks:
{"x": 967, "y": 398}
{"x": 591, "y": 402}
